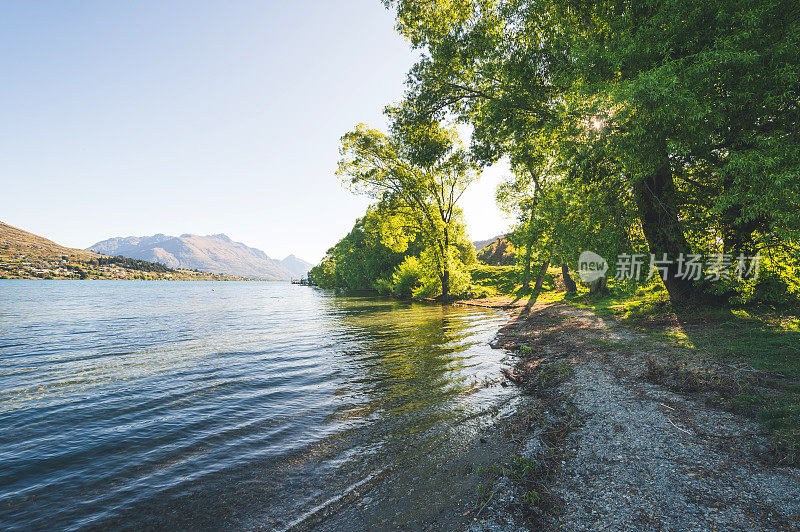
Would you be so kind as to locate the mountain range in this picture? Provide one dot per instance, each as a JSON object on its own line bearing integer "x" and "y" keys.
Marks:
{"x": 24, "y": 255}
{"x": 210, "y": 253}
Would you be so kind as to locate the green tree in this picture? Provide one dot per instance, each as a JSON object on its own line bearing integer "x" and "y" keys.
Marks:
{"x": 368, "y": 254}
{"x": 690, "y": 109}
{"x": 420, "y": 171}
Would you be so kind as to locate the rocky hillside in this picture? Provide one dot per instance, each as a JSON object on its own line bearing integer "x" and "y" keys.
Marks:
{"x": 211, "y": 253}
{"x": 501, "y": 252}
{"x": 480, "y": 244}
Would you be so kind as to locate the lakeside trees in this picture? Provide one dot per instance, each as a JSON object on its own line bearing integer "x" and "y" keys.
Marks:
{"x": 666, "y": 129}
{"x": 363, "y": 257}
{"x": 686, "y": 112}
{"x": 388, "y": 251}
{"x": 660, "y": 128}
{"x": 418, "y": 173}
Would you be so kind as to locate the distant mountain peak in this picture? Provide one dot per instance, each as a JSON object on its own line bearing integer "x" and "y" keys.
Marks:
{"x": 298, "y": 267}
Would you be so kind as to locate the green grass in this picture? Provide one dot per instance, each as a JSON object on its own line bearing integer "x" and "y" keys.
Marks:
{"x": 493, "y": 281}
{"x": 490, "y": 281}
{"x": 626, "y": 304}
{"x": 766, "y": 343}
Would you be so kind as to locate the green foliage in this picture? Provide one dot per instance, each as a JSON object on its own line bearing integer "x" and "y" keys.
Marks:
{"x": 383, "y": 286}
{"x": 407, "y": 279}
{"x": 418, "y": 174}
{"x": 669, "y": 126}
{"x": 387, "y": 251}
{"x": 459, "y": 277}
{"x": 367, "y": 256}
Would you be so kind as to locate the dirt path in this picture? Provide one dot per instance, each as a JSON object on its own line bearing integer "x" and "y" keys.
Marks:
{"x": 641, "y": 457}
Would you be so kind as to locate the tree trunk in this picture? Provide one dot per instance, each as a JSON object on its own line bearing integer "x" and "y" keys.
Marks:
{"x": 446, "y": 271}
{"x": 598, "y": 286}
{"x": 526, "y": 274}
{"x": 568, "y": 282}
{"x": 655, "y": 202}
{"x": 540, "y": 277}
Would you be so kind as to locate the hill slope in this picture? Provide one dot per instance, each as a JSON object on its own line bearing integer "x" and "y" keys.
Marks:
{"x": 501, "y": 252}
{"x": 480, "y": 244}
{"x": 211, "y": 253}
{"x": 24, "y": 255}
{"x": 15, "y": 241}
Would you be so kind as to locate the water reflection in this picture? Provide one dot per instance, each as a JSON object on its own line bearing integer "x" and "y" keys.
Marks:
{"x": 165, "y": 404}
{"x": 411, "y": 361}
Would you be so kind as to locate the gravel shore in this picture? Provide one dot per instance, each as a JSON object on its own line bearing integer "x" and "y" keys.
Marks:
{"x": 640, "y": 457}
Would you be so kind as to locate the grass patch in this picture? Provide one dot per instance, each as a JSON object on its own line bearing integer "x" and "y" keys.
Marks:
{"x": 493, "y": 281}
{"x": 490, "y": 281}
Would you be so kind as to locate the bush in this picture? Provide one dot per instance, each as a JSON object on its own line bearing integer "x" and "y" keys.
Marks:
{"x": 770, "y": 289}
{"x": 407, "y": 278}
{"x": 774, "y": 290}
{"x": 383, "y": 287}
{"x": 460, "y": 280}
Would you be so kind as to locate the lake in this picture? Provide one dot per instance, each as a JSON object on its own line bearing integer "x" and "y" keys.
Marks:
{"x": 139, "y": 404}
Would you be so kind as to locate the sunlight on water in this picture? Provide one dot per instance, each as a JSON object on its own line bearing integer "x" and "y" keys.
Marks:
{"x": 239, "y": 404}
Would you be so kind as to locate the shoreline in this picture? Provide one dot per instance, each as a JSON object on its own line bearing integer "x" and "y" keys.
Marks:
{"x": 609, "y": 438}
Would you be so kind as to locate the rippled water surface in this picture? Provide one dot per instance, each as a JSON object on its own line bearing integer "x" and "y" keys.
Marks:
{"x": 180, "y": 404}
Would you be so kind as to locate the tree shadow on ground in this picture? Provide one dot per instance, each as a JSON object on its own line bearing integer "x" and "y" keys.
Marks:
{"x": 745, "y": 360}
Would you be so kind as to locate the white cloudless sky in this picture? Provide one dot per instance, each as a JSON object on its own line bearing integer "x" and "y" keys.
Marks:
{"x": 134, "y": 118}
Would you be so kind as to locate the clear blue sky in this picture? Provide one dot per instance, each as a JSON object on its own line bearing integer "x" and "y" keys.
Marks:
{"x": 133, "y": 118}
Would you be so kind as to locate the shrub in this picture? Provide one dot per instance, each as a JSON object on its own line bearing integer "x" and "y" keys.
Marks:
{"x": 383, "y": 287}
{"x": 408, "y": 278}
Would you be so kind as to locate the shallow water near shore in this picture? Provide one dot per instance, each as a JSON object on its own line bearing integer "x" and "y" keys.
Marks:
{"x": 183, "y": 404}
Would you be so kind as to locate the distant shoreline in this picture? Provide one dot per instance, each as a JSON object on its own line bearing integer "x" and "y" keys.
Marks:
{"x": 24, "y": 255}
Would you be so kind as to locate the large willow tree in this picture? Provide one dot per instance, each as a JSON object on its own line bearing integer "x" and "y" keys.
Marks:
{"x": 690, "y": 107}
{"x": 421, "y": 172}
